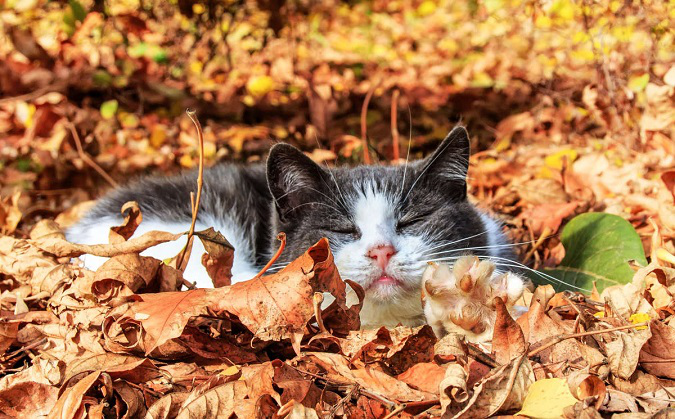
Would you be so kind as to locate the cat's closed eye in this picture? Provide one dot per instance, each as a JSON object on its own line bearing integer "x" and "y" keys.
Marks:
{"x": 407, "y": 222}
{"x": 344, "y": 229}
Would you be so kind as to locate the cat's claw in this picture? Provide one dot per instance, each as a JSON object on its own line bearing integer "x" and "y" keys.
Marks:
{"x": 461, "y": 298}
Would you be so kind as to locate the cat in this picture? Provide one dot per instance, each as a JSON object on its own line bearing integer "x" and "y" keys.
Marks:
{"x": 384, "y": 223}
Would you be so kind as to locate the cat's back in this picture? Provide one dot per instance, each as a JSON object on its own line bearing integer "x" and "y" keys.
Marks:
{"x": 235, "y": 201}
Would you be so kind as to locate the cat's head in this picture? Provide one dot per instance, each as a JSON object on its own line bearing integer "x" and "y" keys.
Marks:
{"x": 384, "y": 223}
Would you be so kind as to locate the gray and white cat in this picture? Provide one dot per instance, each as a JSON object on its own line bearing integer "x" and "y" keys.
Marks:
{"x": 384, "y": 223}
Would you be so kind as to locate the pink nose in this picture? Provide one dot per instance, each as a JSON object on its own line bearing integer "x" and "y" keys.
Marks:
{"x": 382, "y": 254}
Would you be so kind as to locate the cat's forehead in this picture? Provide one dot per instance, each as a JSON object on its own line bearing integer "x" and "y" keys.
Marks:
{"x": 369, "y": 181}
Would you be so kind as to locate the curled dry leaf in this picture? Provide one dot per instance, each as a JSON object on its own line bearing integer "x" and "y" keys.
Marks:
{"x": 70, "y": 402}
{"x": 132, "y": 218}
{"x": 124, "y": 275}
{"x": 218, "y": 257}
{"x": 60, "y": 247}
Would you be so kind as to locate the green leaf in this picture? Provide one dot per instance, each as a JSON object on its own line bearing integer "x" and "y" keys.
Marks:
{"x": 109, "y": 108}
{"x": 598, "y": 247}
{"x": 78, "y": 10}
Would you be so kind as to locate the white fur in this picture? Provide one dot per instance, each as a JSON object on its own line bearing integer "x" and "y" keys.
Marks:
{"x": 386, "y": 304}
{"x": 495, "y": 238}
{"x": 242, "y": 268}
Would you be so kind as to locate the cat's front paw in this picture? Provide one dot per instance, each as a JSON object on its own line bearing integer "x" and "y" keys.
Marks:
{"x": 461, "y": 298}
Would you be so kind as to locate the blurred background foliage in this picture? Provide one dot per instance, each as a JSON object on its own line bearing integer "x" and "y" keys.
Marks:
{"x": 114, "y": 78}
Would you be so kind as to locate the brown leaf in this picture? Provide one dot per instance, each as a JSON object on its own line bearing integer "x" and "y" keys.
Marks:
{"x": 508, "y": 341}
{"x": 10, "y": 214}
{"x": 658, "y": 353}
{"x": 129, "y": 368}
{"x": 453, "y": 387}
{"x": 583, "y": 385}
{"x": 337, "y": 368}
{"x": 276, "y": 306}
{"x": 69, "y": 404}
{"x": 157, "y": 318}
{"x": 220, "y": 402}
{"x": 425, "y": 376}
{"x": 124, "y": 275}
{"x": 273, "y": 307}
{"x": 548, "y": 217}
{"x": 132, "y": 218}
{"x": 58, "y": 246}
{"x": 624, "y": 351}
{"x": 27, "y": 400}
{"x": 501, "y": 390}
{"x": 218, "y": 257}
{"x": 166, "y": 407}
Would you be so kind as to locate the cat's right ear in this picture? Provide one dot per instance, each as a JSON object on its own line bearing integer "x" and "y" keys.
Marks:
{"x": 293, "y": 178}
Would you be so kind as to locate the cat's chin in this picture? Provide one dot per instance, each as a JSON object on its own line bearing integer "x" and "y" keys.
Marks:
{"x": 386, "y": 280}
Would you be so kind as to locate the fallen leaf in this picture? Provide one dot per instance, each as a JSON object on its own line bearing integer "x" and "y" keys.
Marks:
{"x": 508, "y": 341}
{"x": 658, "y": 353}
{"x": 132, "y": 218}
{"x": 218, "y": 257}
{"x": 547, "y": 399}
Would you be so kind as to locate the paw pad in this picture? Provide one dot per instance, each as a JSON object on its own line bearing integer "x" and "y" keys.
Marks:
{"x": 461, "y": 299}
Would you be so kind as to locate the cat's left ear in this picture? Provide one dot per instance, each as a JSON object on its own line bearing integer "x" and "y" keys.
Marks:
{"x": 449, "y": 164}
{"x": 293, "y": 178}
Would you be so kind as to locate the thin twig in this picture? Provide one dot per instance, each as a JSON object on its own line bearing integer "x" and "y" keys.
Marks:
{"x": 557, "y": 339}
{"x": 194, "y": 203}
{"x": 401, "y": 407}
{"x": 85, "y": 157}
{"x": 394, "y": 125}
{"x": 282, "y": 238}
{"x": 364, "y": 124}
{"x": 543, "y": 236}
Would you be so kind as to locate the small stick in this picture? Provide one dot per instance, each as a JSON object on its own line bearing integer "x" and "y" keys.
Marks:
{"x": 318, "y": 299}
{"x": 194, "y": 203}
{"x": 544, "y": 235}
{"x": 88, "y": 160}
{"x": 282, "y": 238}
{"x": 394, "y": 126}
{"x": 364, "y": 124}
{"x": 401, "y": 407}
{"x": 558, "y": 339}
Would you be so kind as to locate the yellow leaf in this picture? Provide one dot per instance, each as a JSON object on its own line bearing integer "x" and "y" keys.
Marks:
{"x": 555, "y": 160}
{"x": 229, "y": 371}
{"x": 664, "y": 255}
{"x": 186, "y": 161}
{"x": 259, "y": 86}
{"x": 426, "y": 8}
{"x": 638, "y": 83}
{"x": 547, "y": 398}
{"x": 600, "y": 315}
{"x": 24, "y": 113}
{"x": 638, "y": 318}
{"x": 503, "y": 144}
{"x": 157, "y": 135}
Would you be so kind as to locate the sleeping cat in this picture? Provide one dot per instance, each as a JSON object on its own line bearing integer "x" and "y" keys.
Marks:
{"x": 384, "y": 223}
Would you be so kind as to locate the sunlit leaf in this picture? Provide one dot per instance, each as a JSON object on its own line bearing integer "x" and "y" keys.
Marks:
{"x": 598, "y": 247}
